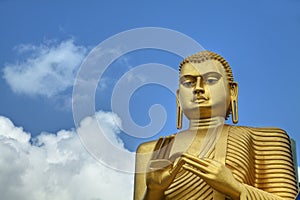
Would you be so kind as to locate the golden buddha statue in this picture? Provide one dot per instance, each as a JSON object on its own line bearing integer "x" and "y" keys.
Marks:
{"x": 212, "y": 160}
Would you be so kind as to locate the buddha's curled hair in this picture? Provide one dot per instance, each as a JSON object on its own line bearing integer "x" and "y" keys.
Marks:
{"x": 208, "y": 55}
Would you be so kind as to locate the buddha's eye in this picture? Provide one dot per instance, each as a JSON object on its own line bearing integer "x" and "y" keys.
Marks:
{"x": 188, "y": 83}
{"x": 210, "y": 80}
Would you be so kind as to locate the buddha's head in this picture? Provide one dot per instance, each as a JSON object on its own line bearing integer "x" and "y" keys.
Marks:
{"x": 206, "y": 87}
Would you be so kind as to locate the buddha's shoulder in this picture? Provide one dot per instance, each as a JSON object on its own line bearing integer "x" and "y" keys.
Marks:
{"x": 260, "y": 131}
{"x": 146, "y": 147}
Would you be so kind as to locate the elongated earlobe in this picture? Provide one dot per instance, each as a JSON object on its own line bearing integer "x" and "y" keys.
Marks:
{"x": 234, "y": 108}
{"x": 178, "y": 112}
{"x": 234, "y": 102}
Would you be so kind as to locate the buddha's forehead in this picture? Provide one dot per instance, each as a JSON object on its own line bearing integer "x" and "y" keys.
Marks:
{"x": 198, "y": 69}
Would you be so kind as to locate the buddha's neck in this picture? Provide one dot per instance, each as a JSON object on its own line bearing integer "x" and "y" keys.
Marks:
{"x": 206, "y": 123}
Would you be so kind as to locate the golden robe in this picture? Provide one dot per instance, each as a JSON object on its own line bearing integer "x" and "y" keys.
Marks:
{"x": 260, "y": 158}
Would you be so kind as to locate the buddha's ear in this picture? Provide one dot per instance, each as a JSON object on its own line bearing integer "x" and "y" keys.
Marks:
{"x": 178, "y": 111}
{"x": 234, "y": 90}
{"x": 234, "y": 101}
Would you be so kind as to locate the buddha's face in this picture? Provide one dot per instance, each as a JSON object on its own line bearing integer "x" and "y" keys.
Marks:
{"x": 204, "y": 90}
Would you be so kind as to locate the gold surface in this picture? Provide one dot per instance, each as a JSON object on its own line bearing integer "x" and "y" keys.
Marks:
{"x": 212, "y": 160}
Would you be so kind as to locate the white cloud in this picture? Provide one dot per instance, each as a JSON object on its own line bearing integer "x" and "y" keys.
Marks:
{"x": 57, "y": 167}
{"x": 47, "y": 70}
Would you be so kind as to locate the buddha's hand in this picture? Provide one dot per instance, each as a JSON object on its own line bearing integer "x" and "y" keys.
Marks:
{"x": 214, "y": 173}
{"x": 161, "y": 171}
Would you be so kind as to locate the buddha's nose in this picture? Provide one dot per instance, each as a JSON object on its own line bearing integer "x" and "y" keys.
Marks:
{"x": 198, "y": 87}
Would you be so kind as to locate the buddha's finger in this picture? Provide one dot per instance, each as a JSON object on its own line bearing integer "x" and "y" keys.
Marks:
{"x": 196, "y": 159}
{"x": 202, "y": 165}
{"x": 169, "y": 147}
{"x": 178, "y": 166}
{"x": 163, "y": 148}
{"x": 190, "y": 156}
{"x": 213, "y": 162}
{"x": 157, "y": 148}
{"x": 196, "y": 172}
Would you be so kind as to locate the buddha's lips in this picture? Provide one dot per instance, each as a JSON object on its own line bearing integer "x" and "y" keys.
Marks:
{"x": 200, "y": 99}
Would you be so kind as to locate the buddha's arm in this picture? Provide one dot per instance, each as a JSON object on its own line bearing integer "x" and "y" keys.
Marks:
{"x": 250, "y": 192}
{"x": 281, "y": 187}
{"x": 154, "y": 171}
{"x": 143, "y": 175}
{"x": 273, "y": 171}
{"x": 143, "y": 155}
{"x": 219, "y": 177}
{"x": 274, "y": 167}
{"x": 267, "y": 156}
{"x": 215, "y": 174}
{"x": 272, "y": 164}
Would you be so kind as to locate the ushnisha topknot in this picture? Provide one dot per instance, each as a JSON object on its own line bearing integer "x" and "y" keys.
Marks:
{"x": 208, "y": 55}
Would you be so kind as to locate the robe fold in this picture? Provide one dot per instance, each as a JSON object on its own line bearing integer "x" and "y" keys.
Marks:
{"x": 260, "y": 158}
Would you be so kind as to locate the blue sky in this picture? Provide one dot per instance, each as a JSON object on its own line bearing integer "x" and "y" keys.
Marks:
{"x": 260, "y": 40}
